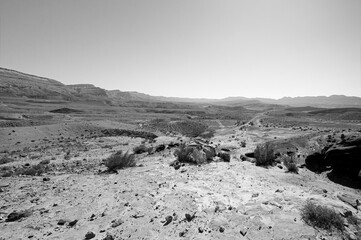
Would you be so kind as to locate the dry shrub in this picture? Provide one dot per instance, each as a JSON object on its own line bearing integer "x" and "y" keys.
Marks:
{"x": 140, "y": 149}
{"x": 322, "y": 217}
{"x": 290, "y": 163}
{"x": 183, "y": 154}
{"x": 120, "y": 160}
{"x": 5, "y": 160}
{"x": 264, "y": 154}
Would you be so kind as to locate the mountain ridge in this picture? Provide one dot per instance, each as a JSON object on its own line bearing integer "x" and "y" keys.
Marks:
{"x": 14, "y": 83}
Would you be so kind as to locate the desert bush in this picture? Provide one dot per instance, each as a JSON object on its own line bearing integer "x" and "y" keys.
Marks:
{"x": 322, "y": 217}
{"x": 264, "y": 154}
{"x": 290, "y": 163}
{"x": 183, "y": 154}
{"x": 33, "y": 170}
{"x": 120, "y": 160}
{"x": 140, "y": 149}
{"x": 5, "y": 160}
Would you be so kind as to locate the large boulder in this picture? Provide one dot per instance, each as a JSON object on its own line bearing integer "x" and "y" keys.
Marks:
{"x": 344, "y": 159}
{"x": 315, "y": 162}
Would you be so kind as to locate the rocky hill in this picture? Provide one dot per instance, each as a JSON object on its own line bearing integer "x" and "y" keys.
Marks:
{"x": 17, "y": 84}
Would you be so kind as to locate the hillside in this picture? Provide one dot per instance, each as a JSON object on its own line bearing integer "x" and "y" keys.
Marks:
{"x": 17, "y": 84}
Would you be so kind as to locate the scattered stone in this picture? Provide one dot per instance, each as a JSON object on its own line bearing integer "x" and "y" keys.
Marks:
{"x": 109, "y": 237}
{"x": 116, "y": 223}
{"x": 346, "y": 198}
{"x": 46, "y": 179}
{"x": 14, "y": 216}
{"x": 89, "y": 235}
{"x": 44, "y": 162}
{"x": 254, "y": 195}
{"x": 159, "y": 148}
{"x": 168, "y": 220}
{"x": 61, "y": 222}
{"x": 221, "y": 229}
{"x": 225, "y": 156}
{"x": 189, "y": 217}
{"x": 183, "y": 233}
{"x": 72, "y": 223}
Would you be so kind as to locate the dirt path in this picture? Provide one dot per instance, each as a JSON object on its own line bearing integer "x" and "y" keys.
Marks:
{"x": 220, "y": 124}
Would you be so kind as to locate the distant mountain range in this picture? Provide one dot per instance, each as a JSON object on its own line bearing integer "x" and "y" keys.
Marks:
{"x": 18, "y": 84}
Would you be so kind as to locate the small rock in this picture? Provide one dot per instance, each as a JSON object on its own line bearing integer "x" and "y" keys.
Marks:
{"x": 109, "y": 237}
{"x": 189, "y": 217}
{"x": 46, "y": 179}
{"x": 181, "y": 234}
{"x": 89, "y": 235}
{"x": 168, "y": 220}
{"x": 243, "y": 232}
{"x": 254, "y": 195}
{"x": 200, "y": 230}
{"x": 44, "y": 162}
{"x": 61, "y": 222}
{"x": 14, "y": 216}
{"x": 221, "y": 229}
{"x": 116, "y": 223}
{"x": 72, "y": 223}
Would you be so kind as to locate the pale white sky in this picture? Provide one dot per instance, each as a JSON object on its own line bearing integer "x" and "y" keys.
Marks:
{"x": 188, "y": 48}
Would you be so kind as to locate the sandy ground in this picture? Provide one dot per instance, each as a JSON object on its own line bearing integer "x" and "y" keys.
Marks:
{"x": 235, "y": 200}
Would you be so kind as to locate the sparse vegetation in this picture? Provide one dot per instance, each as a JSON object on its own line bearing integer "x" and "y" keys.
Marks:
{"x": 32, "y": 170}
{"x": 141, "y": 149}
{"x": 322, "y": 217}
{"x": 183, "y": 154}
{"x": 120, "y": 160}
{"x": 5, "y": 160}
{"x": 264, "y": 154}
{"x": 290, "y": 163}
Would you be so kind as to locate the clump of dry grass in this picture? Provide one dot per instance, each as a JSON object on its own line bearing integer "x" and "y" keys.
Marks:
{"x": 183, "y": 154}
{"x": 120, "y": 160}
{"x": 264, "y": 154}
{"x": 5, "y": 160}
{"x": 142, "y": 149}
{"x": 322, "y": 217}
{"x": 290, "y": 163}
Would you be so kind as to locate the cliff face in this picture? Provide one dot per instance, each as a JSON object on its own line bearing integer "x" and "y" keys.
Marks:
{"x": 17, "y": 84}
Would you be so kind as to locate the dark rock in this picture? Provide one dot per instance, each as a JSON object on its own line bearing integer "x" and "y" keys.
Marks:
{"x": 315, "y": 162}
{"x": 61, "y": 222}
{"x": 89, "y": 235}
{"x": 344, "y": 159}
{"x": 189, "y": 217}
{"x": 14, "y": 216}
{"x": 159, "y": 148}
{"x": 225, "y": 156}
{"x": 109, "y": 237}
{"x": 250, "y": 154}
{"x": 221, "y": 229}
{"x": 44, "y": 162}
{"x": 72, "y": 223}
{"x": 168, "y": 220}
{"x": 209, "y": 151}
{"x": 45, "y": 179}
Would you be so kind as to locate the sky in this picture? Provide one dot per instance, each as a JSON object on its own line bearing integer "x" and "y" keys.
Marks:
{"x": 188, "y": 48}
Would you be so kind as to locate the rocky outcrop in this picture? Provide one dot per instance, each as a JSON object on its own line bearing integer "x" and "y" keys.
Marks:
{"x": 342, "y": 157}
